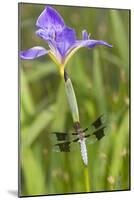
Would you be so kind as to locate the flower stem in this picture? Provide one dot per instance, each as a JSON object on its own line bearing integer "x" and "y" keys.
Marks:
{"x": 87, "y": 179}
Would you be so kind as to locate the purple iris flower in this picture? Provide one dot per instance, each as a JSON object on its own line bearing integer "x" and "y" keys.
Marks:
{"x": 61, "y": 39}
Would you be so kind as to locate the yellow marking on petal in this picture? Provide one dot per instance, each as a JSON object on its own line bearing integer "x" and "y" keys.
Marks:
{"x": 53, "y": 58}
{"x": 62, "y": 70}
{"x": 61, "y": 66}
{"x": 70, "y": 54}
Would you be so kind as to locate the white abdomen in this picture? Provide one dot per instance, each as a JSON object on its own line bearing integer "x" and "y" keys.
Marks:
{"x": 83, "y": 150}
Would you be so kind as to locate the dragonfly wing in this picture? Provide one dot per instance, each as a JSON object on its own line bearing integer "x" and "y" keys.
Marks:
{"x": 64, "y": 142}
{"x": 85, "y": 129}
{"x": 59, "y": 141}
{"x": 64, "y": 146}
{"x": 95, "y": 136}
{"x": 61, "y": 136}
{"x": 98, "y": 122}
{"x": 90, "y": 139}
{"x": 99, "y": 133}
{"x": 76, "y": 140}
{"x": 69, "y": 146}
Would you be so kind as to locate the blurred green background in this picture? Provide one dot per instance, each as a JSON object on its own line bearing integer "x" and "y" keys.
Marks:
{"x": 100, "y": 77}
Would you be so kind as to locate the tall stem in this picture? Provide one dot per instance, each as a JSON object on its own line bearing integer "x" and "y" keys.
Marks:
{"x": 87, "y": 179}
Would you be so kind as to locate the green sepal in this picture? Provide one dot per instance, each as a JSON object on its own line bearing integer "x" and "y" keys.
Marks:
{"x": 72, "y": 100}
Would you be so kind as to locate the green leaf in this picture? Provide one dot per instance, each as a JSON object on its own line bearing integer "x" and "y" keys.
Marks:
{"x": 98, "y": 85}
{"x": 26, "y": 97}
{"x": 120, "y": 37}
{"x": 60, "y": 108}
{"x": 31, "y": 132}
{"x": 40, "y": 70}
{"x": 111, "y": 58}
{"x": 33, "y": 173}
{"x": 121, "y": 140}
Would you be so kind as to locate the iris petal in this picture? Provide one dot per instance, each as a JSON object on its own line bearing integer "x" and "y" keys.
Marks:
{"x": 87, "y": 43}
{"x": 51, "y": 42}
{"x": 50, "y": 18}
{"x": 65, "y": 40}
{"x": 33, "y": 53}
{"x": 83, "y": 43}
{"x": 84, "y": 35}
{"x": 43, "y": 34}
{"x": 48, "y": 37}
{"x": 93, "y": 43}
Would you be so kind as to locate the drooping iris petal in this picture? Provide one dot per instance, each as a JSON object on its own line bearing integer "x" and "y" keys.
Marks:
{"x": 49, "y": 19}
{"x": 83, "y": 43}
{"x": 33, "y": 53}
{"x": 88, "y": 43}
{"x": 93, "y": 43}
{"x": 65, "y": 40}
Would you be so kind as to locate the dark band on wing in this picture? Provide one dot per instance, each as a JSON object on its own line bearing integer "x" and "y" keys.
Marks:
{"x": 98, "y": 122}
{"x": 75, "y": 140}
{"x": 64, "y": 147}
{"x": 85, "y": 129}
{"x": 99, "y": 133}
{"x": 61, "y": 136}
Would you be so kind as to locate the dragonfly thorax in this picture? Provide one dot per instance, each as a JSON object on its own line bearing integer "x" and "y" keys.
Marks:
{"x": 79, "y": 131}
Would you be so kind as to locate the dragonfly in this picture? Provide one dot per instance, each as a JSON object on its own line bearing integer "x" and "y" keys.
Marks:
{"x": 81, "y": 137}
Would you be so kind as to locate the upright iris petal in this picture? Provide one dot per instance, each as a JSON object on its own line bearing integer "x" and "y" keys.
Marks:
{"x": 65, "y": 40}
{"x": 85, "y": 35}
{"x": 49, "y": 19}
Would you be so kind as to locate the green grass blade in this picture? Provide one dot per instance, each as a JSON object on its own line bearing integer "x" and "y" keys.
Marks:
{"x": 120, "y": 37}
{"x": 31, "y": 132}
{"x": 121, "y": 140}
{"x": 98, "y": 85}
{"x": 26, "y": 97}
{"x": 33, "y": 173}
{"x": 40, "y": 70}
